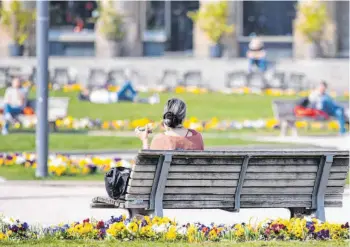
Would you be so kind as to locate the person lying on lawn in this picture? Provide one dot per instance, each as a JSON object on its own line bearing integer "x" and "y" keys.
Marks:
{"x": 126, "y": 93}
{"x": 175, "y": 136}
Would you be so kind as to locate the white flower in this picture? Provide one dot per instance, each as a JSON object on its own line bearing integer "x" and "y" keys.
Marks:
{"x": 125, "y": 163}
{"x": 57, "y": 162}
{"x": 56, "y": 87}
{"x": 160, "y": 229}
{"x": 182, "y": 230}
{"x": 247, "y": 124}
{"x": 31, "y": 157}
{"x": 20, "y": 160}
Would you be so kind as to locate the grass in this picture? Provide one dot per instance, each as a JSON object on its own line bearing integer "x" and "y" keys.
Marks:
{"x": 91, "y": 243}
{"x": 63, "y": 142}
{"x": 205, "y": 106}
{"x": 21, "y": 173}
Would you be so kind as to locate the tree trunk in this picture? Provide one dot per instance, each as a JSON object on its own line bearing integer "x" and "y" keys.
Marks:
{"x": 314, "y": 50}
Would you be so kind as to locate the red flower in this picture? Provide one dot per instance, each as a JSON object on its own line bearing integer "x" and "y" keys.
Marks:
{"x": 281, "y": 226}
{"x": 86, "y": 221}
{"x": 100, "y": 224}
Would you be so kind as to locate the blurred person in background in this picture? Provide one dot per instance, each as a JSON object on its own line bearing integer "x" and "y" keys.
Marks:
{"x": 256, "y": 55}
{"x": 126, "y": 93}
{"x": 15, "y": 100}
{"x": 320, "y": 100}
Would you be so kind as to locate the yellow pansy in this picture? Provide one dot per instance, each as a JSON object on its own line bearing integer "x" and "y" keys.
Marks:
{"x": 171, "y": 234}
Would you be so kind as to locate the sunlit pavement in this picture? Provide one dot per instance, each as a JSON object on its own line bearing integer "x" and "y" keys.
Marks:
{"x": 337, "y": 142}
{"x": 68, "y": 202}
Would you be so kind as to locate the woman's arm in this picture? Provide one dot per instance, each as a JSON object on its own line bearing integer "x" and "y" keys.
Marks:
{"x": 145, "y": 144}
{"x": 143, "y": 136}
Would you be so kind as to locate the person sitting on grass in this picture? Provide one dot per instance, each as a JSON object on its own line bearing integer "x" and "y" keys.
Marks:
{"x": 320, "y": 100}
{"x": 175, "y": 136}
{"x": 126, "y": 93}
{"x": 15, "y": 100}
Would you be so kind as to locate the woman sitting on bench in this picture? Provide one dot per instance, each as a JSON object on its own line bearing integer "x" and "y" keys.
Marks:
{"x": 175, "y": 136}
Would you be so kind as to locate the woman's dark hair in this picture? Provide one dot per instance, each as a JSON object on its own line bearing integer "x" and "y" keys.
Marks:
{"x": 174, "y": 113}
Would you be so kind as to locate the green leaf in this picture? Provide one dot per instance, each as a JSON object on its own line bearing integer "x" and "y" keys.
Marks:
{"x": 212, "y": 20}
{"x": 18, "y": 21}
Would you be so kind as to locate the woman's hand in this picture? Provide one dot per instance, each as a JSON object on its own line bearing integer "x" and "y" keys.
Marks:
{"x": 142, "y": 135}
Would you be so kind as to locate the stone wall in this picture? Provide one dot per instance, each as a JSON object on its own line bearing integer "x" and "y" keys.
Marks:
{"x": 334, "y": 71}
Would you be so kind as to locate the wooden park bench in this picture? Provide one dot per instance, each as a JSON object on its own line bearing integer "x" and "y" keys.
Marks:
{"x": 283, "y": 111}
{"x": 57, "y": 109}
{"x": 305, "y": 182}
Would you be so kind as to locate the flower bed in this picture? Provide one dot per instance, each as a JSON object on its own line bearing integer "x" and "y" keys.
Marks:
{"x": 64, "y": 165}
{"x": 164, "y": 229}
{"x": 193, "y": 123}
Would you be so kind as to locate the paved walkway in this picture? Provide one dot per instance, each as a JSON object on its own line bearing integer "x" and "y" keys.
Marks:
{"x": 38, "y": 203}
{"x": 337, "y": 142}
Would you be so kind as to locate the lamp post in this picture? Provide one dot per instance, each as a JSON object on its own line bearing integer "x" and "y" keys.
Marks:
{"x": 42, "y": 49}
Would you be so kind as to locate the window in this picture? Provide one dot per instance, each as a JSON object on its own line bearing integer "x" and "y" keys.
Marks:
{"x": 268, "y": 17}
{"x": 72, "y": 14}
{"x": 155, "y": 15}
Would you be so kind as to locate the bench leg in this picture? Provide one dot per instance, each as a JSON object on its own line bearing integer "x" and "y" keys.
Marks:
{"x": 300, "y": 212}
{"x": 294, "y": 130}
{"x": 320, "y": 214}
{"x": 284, "y": 128}
{"x": 53, "y": 126}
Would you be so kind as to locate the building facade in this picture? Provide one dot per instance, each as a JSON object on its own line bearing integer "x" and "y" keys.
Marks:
{"x": 162, "y": 28}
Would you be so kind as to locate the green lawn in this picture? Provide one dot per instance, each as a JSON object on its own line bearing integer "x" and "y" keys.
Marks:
{"x": 89, "y": 243}
{"x": 21, "y": 173}
{"x": 63, "y": 142}
{"x": 204, "y": 106}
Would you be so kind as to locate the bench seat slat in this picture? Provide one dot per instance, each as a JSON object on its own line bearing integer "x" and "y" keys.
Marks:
{"x": 284, "y": 161}
{"x": 181, "y": 175}
{"x": 253, "y": 152}
{"x": 187, "y": 183}
{"x": 233, "y": 176}
{"x": 247, "y": 151}
{"x": 197, "y": 197}
{"x": 341, "y": 162}
{"x": 231, "y": 191}
{"x": 203, "y": 161}
{"x": 194, "y": 161}
{"x": 284, "y": 169}
{"x": 234, "y": 168}
{"x": 228, "y": 205}
{"x": 192, "y": 168}
{"x": 233, "y": 183}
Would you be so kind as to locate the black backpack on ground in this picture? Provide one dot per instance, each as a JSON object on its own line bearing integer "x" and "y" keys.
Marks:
{"x": 116, "y": 181}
